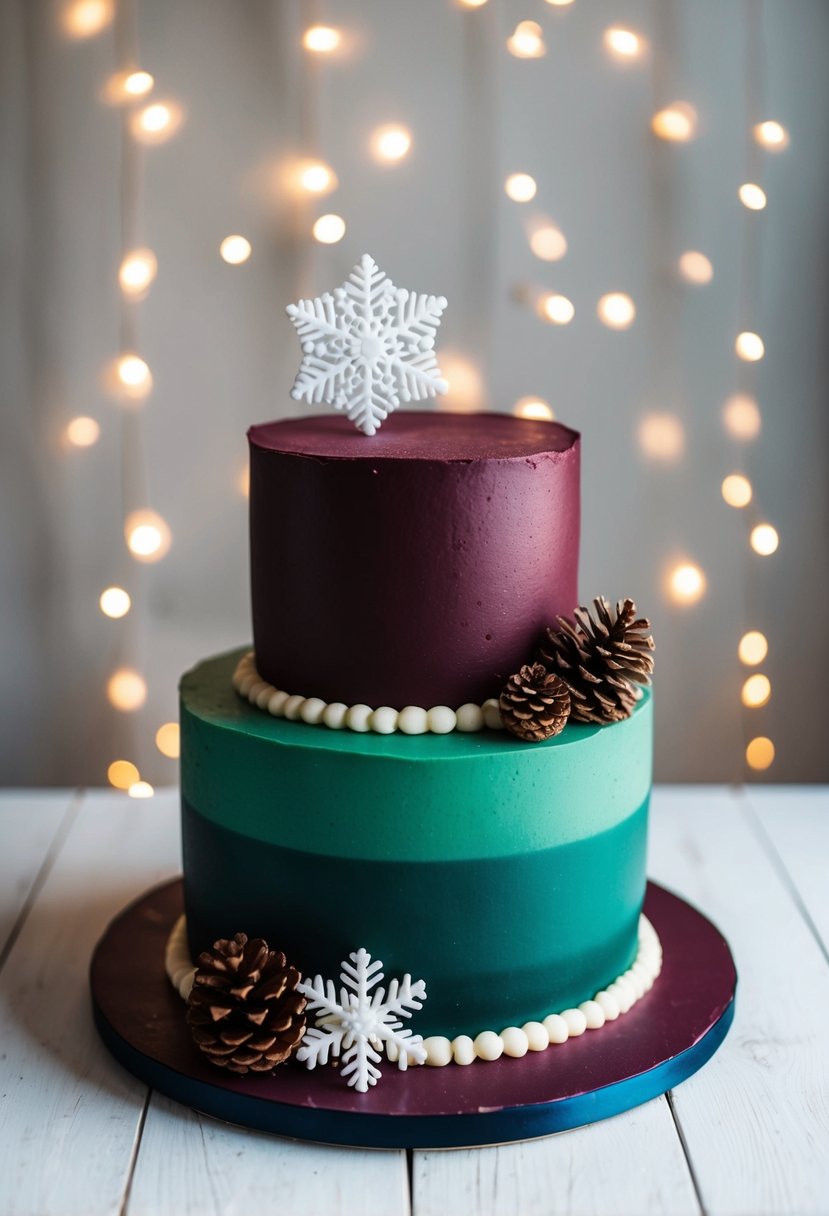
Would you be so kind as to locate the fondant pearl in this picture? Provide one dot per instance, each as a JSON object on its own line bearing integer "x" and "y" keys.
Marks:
{"x": 537, "y": 1037}
{"x": 557, "y": 1028}
{"x": 412, "y": 720}
{"x": 489, "y": 1045}
{"x": 438, "y": 1051}
{"x": 312, "y": 711}
{"x": 276, "y": 704}
{"x": 384, "y": 720}
{"x": 247, "y": 683}
{"x": 608, "y": 1005}
{"x": 625, "y": 994}
{"x": 293, "y": 707}
{"x": 594, "y": 1014}
{"x": 357, "y": 718}
{"x": 440, "y": 719}
{"x": 256, "y": 688}
{"x": 492, "y": 714}
{"x": 463, "y": 1049}
{"x": 264, "y": 696}
{"x": 576, "y": 1022}
{"x": 334, "y": 715}
{"x": 470, "y": 717}
{"x": 516, "y": 1043}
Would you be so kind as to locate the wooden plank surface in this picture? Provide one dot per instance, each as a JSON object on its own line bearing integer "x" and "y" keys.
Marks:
{"x": 29, "y": 823}
{"x": 755, "y": 1120}
{"x": 192, "y": 1165}
{"x": 625, "y": 1166}
{"x": 69, "y": 1115}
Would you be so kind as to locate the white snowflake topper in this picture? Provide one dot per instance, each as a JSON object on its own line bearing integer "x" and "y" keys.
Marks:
{"x": 367, "y": 347}
{"x": 362, "y": 1021}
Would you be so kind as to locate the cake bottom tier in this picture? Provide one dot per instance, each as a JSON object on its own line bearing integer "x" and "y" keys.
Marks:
{"x": 508, "y": 876}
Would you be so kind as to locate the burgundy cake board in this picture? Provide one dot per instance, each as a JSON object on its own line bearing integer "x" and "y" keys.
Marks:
{"x": 669, "y": 1034}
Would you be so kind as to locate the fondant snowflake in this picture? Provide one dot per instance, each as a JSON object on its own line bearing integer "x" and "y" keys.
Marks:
{"x": 362, "y": 1021}
{"x": 368, "y": 347}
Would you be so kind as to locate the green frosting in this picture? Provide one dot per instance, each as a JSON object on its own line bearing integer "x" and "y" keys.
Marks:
{"x": 402, "y": 797}
{"x": 508, "y": 875}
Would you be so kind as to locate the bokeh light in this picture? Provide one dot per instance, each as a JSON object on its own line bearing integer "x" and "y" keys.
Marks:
{"x": 749, "y": 347}
{"x": 752, "y": 196}
{"x": 771, "y": 135}
{"x": 556, "y": 309}
{"x": 147, "y": 535}
{"x": 548, "y": 243}
{"x": 741, "y": 417}
{"x": 764, "y": 539}
{"x": 736, "y": 490}
{"x": 677, "y": 123}
{"x": 132, "y": 376}
{"x": 85, "y": 18}
{"x": 535, "y": 408}
{"x": 616, "y": 310}
{"x": 83, "y": 431}
{"x": 122, "y": 774}
{"x": 466, "y": 386}
{"x": 695, "y": 267}
{"x": 391, "y": 142}
{"x": 138, "y": 83}
{"x": 114, "y": 602}
{"x": 520, "y": 187}
{"x": 235, "y": 249}
{"x": 753, "y": 648}
{"x": 141, "y": 789}
{"x": 756, "y": 691}
{"x": 686, "y": 583}
{"x": 317, "y": 178}
{"x": 167, "y": 740}
{"x": 124, "y": 87}
{"x": 527, "y": 41}
{"x": 126, "y": 689}
{"x": 622, "y": 44}
{"x": 137, "y": 272}
{"x": 329, "y": 229}
{"x": 760, "y": 753}
{"x": 662, "y": 437}
{"x": 157, "y": 122}
{"x": 321, "y": 39}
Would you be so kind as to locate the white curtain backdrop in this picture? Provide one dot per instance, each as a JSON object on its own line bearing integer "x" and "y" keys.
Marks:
{"x": 223, "y": 354}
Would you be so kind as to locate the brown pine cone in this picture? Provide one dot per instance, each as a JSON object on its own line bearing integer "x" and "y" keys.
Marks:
{"x": 534, "y": 704}
{"x": 243, "y": 1010}
{"x": 601, "y": 657}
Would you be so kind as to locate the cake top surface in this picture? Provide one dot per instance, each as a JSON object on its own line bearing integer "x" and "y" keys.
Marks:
{"x": 416, "y": 435}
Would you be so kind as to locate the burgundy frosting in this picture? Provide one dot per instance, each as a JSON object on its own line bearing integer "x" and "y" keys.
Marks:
{"x": 415, "y": 567}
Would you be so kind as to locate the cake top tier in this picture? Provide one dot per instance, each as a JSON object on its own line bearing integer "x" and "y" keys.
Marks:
{"x": 416, "y": 435}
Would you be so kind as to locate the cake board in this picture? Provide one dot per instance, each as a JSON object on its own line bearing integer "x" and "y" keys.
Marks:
{"x": 666, "y": 1037}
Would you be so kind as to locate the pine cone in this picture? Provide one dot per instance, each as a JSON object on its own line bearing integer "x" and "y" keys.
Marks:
{"x": 243, "y": 1010}
{"x": 601, "y": 658}
{"x": 534, "y": 704}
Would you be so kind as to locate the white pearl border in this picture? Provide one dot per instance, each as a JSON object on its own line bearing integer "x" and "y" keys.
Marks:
{"x": 606, "y": 1006}
{"x": 439, "y": 720}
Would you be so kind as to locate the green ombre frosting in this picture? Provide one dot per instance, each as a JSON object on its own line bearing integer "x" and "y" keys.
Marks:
{"x": 509, "y": 876}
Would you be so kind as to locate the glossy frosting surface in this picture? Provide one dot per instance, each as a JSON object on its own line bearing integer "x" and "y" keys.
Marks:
{"x": 509, "y": 876}
{"x": 417, "y": 567}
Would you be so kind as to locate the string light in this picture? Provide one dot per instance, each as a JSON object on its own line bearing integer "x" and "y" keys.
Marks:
{"x": 548, "y": 243}
{"x": 686, "y": 583}
{"x": 127, "y": 86}
{"x": 157, "y": 122}
{"x": 147, "y": 535}
{"x": 535, "y": 408}
{"x": 560, "y": 3}
{"x": 662, "y": 437}
{"x": 527, "y": 41}
{"x": 329, "y": 229}
{"x": 752, "y": 196}
{"x": 616, "y": 310}
{"x": 167, "y": 740}
{"x": 126, "y": 689}
{"x": 760, "y": 753}
{"x": 695, "y": 267}
{"x": 85, "y": 18}
{"x": 122, "y": 774}
{"x": 741, "y": 417}
{"x": 756, "y": 691}
{"x": 391, "y": 143}
{"x": 676, "y": 123}
{"x": 83, "y": 432}
{"x": 235, "y": 249}
{"x": 137, "y": 272}
{"x": 622, "y": 44}
{"x": 114, "y": 602}
{"x": 465, "y": 383}
{"x": 520, "y": 187}
{"x": 736, "y": 490}
{"x": 472, "y": 3}
{"x": 317, "y": 178}
{"x": 771, "y": 135}
{"x": 764, "y": 539}
{"x": 753, "y": 648}
{"x": 321, "y": 39}
{"x": 133, "y": 376}
{"x": 141, "y": 789}
{"x": 138, "y": 83}
{"x": 749, "y": 347}
{"x": 556, "y": 309}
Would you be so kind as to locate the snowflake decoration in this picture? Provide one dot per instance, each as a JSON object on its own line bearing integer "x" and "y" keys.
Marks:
{"x": 368, "y": 347}
{"x": 362, "y": 1021}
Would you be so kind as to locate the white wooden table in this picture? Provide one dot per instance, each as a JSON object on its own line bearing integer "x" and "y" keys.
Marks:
{"x": 747, "y": 1136}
